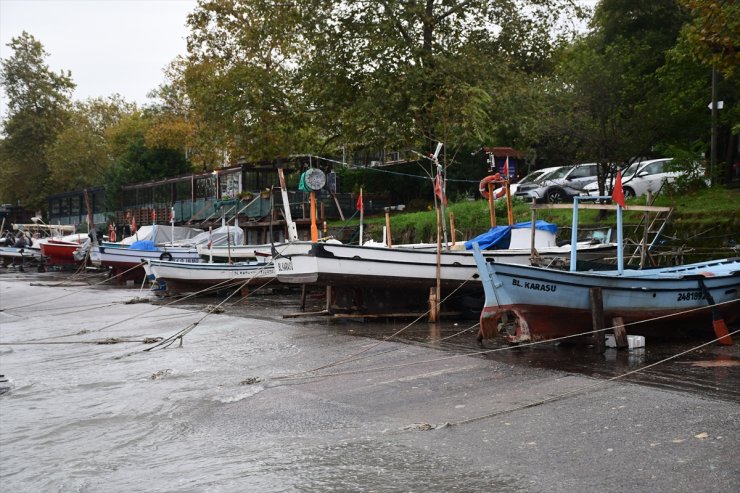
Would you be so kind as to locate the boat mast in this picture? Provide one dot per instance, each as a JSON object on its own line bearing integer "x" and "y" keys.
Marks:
{"x": 292, "y": 232}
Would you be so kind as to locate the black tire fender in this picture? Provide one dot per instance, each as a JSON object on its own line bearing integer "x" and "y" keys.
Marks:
{"x": 165, "y": 256}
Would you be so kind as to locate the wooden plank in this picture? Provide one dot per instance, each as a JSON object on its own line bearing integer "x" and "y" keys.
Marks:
{"x": 307, "y": 314}
{"x": 620, "y": 333}
{"x": 608, "y": 207}
{"x": 390, "y": 315}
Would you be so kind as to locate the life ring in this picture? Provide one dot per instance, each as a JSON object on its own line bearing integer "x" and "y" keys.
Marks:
{"x": 166, "y": 256}
{"x": 483, "y": 186}
{"x": 111, "y": 233}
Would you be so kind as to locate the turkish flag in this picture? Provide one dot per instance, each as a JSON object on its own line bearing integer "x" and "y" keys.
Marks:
{"x": 360, "y": 206}
{"x": 617, "y": 192}
{"x": 438, "y": 185}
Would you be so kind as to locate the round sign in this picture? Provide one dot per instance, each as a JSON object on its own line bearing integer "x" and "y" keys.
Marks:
{"x": 315, "y": 179}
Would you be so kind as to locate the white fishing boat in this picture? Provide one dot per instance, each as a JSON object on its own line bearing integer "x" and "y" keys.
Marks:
{"x": 19, "y": 256}
{"x": 150, "y": 242}
{"x": 401, "y": 267}
{"x": 179, "y": 276}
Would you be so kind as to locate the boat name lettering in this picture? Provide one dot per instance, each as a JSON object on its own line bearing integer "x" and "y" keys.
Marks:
{"x": 690, "y": 296}
{"x": 285, "y": 265}
{"x": 534, "y": 285}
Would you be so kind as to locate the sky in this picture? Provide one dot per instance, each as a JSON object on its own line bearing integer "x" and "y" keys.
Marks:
{"x": 110, "y": 46}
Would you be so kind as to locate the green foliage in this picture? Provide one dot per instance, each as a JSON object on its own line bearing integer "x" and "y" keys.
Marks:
{"x": 713, "y": 34}
{"x": 319, "y": 76}
{"x": 81, "y": 155}
{"x": 703, "y": 207}
{"x": 135, "y": 161}
{"x": 38, "y": 108}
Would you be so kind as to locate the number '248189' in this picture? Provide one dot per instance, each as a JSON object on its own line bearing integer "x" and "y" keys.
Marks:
{"x": 690, "y": 296}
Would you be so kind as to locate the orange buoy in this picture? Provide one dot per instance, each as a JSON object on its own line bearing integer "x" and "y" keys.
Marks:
{"x": 483, "y": 186}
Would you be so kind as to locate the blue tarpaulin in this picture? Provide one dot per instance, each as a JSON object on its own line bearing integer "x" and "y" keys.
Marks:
{"x": 144, "y": 245}
{"x": 499, "y": 237}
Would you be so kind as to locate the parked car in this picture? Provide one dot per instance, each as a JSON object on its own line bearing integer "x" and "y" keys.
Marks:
{"x": 559, "y": 185}
{"x": 641, "y": 177}
{"x": 530, "y": 178}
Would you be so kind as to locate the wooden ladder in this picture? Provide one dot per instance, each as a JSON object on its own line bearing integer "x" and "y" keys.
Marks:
{"x": 652, "y": 230}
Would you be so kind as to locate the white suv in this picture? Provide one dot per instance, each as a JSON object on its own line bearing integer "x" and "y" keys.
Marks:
{"x": 641, "y": 177}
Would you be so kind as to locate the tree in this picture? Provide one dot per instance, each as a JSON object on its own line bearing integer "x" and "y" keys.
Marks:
{"x": 320, "y": 75}
{"x": 714, "y": 34}
{"x": 606, "y": 92}
{"x": 135, "y": 159}
{"x": 178, "y": 125}
{"x": 38, "y": 108}
{"x": 80, "y": 155}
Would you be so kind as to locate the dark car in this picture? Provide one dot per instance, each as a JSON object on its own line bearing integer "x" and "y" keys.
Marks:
{"x": 560, "y": 185}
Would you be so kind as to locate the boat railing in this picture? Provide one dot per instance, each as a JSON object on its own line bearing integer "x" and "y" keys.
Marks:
{"x": 599, "y": 206}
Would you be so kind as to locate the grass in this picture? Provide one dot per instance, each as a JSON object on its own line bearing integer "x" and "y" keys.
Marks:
{"x": 716, "y": 208}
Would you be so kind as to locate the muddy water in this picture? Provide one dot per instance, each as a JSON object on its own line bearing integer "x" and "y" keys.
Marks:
{"x": 711, "y": 371}
{"x": 213, "y": 415}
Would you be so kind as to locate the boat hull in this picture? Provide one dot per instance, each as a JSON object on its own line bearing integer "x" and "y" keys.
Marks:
{"x": 179, "y": 276}
{"x": 353, "y": 266}
{"x": 59, "y": 252}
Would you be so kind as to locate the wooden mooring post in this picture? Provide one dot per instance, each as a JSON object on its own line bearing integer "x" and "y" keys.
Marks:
{"x": 597, "y": 318}
{"x": 433, "y": 305}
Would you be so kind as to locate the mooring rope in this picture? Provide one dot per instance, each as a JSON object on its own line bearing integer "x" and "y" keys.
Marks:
{"x": 351, "y": 357}
{"x": 586, "y": 388}
{"x": 168, "y": 341}
{"x": 75, "y": 291}
{"x": 303, "y": 376}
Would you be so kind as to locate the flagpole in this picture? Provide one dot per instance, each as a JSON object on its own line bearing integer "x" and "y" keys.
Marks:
{"x": 362, "y": 213}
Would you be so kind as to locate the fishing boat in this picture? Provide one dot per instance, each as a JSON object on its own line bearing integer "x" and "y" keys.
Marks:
{"x": 150, "y": 242}
{"x": 60, "y": 251}
{"x": 19, "y": 256}
{"x": 532, "y": 303}
{"x": 19, "y": 250}
{"x": 173, "y": 276}
{"x": 546, "y": 303}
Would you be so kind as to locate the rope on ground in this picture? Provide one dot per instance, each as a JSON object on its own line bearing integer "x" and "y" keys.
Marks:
{"x": 109, "y": 340}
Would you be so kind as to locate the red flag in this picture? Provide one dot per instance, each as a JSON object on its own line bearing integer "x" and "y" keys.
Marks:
{"x": 506, "y": 167}
{"x": 360, "y": 206}
{"x": 154, "y": 216}
{"x": 438, "y": 189}
{"x": 617, "y": 192}
{"x": 133, "y": 225}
